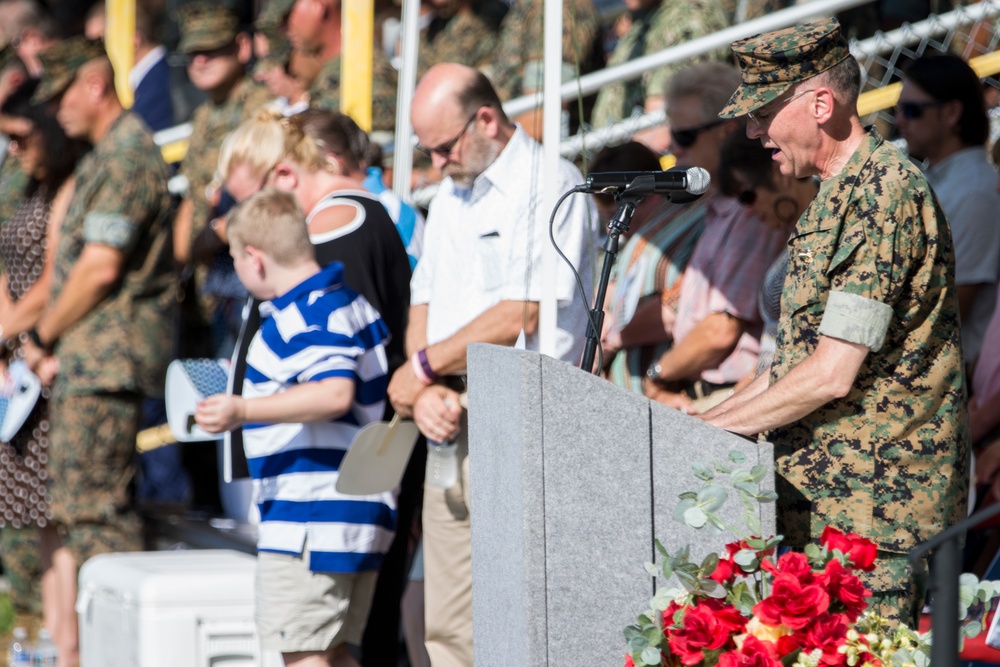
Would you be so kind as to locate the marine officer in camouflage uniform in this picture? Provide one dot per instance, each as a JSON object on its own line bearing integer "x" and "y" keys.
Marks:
{"x": 219, "y": 53}
{"x": 865, "y": 400}
{"x": 314, "y": 28}
{"x": 107, "y": 321}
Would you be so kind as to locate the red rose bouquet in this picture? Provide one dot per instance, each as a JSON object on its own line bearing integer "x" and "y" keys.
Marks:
{"x": 751, "y": 608}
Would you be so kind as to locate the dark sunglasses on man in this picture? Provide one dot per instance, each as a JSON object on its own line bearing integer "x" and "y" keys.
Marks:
{"x": 686, "y": 138}
{"x": 914, "y": 110}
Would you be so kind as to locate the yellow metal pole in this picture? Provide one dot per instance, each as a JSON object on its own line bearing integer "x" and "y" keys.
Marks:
{"x": 119, "y": 39}
{"x": 356, "y": 61}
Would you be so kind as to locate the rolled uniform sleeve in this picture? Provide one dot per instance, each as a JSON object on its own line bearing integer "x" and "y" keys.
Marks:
{"x": 856, "y": 319}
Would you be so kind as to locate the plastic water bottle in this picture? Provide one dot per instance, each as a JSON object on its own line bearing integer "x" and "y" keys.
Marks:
{"x": 18, "y": 653}
{"x": 442, "y": 464}
{"x": 45, "y": 650}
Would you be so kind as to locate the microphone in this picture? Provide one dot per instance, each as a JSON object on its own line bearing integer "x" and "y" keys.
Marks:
{"x": 676, "y": 181}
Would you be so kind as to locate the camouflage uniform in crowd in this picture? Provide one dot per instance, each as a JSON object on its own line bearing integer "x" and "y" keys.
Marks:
{"x": 871, "y": 262}
{"x": 203, "y": 28}
{"x": 116, "y": 353}
{"x": 324, "y": 92}
{"x": 669, "y": 24}
{"x": 13, "y": 185}
{"x": 521, "y": 44}
{"x": 466, "y": 38}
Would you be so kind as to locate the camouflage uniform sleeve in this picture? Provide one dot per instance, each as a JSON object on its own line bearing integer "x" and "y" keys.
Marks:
{"x": 120, "y": 203}
{"x": 874, "y": 257}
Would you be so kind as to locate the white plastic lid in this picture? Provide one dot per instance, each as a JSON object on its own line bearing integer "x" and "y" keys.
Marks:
{"x": 20, "y": 634}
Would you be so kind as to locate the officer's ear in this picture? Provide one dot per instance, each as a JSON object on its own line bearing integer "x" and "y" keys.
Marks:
{"x": 823, "y": 104}
{"x": 244, "y": 48}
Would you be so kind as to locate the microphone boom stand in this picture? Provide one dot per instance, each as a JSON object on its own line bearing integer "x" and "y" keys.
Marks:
{"x": 619, "y": 225}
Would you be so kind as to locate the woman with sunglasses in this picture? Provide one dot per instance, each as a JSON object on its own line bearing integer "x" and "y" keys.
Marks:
{"x": 748, "y": 172}
{"x": 48, "y": 157}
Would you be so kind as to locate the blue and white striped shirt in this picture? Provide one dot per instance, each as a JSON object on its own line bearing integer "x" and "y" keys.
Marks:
{"x": 320, "y": 329}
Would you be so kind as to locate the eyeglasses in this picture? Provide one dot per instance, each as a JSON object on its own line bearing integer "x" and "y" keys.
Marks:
{"x": 762, "y": 116}
{"x": 445, "y": 149}
{"x": 747, "y": 197}
{"x": 686, "y": 138}
{"x": 914, "y": 110}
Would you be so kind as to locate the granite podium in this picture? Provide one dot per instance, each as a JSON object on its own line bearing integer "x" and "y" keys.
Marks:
{"x": 572, "y": 479}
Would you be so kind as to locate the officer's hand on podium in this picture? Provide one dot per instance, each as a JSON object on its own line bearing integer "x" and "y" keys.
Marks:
{"x": 403, "y": 390}
{"x": 669, "y": 398}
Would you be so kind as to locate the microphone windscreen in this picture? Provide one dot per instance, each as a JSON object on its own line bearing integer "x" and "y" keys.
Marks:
{"x": 698, "y": 180}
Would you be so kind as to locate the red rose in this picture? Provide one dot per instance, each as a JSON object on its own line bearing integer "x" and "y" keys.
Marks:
{"x": 727, "y": 615}
{"x": 827, "y": 633}
{"x": 791, "y": 602}
{"x": 847, "y": 589}
{"x": 753, "y": 653}
{"x": 794, "y": 564}
{"x": 861, "y": 551}
{"x": 628, "y": 661}
{"x": 724, "y": 573}
{"x": 702, "y": 628}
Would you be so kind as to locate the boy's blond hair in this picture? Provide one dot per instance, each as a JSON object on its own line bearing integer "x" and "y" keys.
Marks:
{"x": 272, "y": 222}
{"x": 268, "y": 138}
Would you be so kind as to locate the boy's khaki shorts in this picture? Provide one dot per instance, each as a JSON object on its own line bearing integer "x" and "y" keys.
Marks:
{"x": 298, "y": 610}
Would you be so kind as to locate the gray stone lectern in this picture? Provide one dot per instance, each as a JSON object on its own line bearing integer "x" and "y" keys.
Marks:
{"x": 572, "y": 478}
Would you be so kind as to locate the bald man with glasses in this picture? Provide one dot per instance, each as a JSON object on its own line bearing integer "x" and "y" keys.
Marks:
{"x": 478, "y": 281}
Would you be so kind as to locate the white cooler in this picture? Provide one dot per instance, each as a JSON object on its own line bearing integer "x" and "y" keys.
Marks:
{"x": 169, "y": 609}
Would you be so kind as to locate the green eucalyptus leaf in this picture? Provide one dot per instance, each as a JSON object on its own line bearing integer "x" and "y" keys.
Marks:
{"x": 713, "y": 589}
{"x": 722, "y": 469}
{"x": 709, "y": 564}
{"x": 746, "y": 558}
{"x": 972, "y": 629}
{"x": 759, "y": 472}
{"x": 668, "y": 570}
{"x": 752, "y": 521}
{"x": 767, "y": 496}
{"x": 748, "y": 487}
{"x": 662, "y": 549}
{"x": 695, "y": 517}
{"x": 651, "y": 656}
{"x": 712, "y": 497}
{"x": 813, "y": 551}
{"x": 739, "y": 476}
{"x": 682, "y": 507}
{"x": 702, "y": 471}
{"x": 688, "y": 495}
{"x": 737, "y": 456}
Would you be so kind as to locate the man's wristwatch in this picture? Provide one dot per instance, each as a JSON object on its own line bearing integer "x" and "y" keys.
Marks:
{"x": 654, "y": 375}
{"x": 37, "y": 340}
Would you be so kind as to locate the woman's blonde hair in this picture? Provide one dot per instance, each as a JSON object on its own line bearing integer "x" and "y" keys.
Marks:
{"x": 268, "y": 138}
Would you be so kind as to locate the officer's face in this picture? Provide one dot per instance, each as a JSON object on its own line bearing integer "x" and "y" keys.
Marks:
{"x": 305, "y": 25}
{"x": 75, "y": 108}
{"x": 218, "y": 68}
{"x": 787, "y": 126}
{"x": 688, "y": 113}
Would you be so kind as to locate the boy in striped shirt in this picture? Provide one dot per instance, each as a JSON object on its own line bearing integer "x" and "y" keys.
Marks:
{"x": 316, "y": 373}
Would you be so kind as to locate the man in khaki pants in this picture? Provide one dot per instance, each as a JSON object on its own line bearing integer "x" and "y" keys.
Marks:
{"x": 479, "y": 280}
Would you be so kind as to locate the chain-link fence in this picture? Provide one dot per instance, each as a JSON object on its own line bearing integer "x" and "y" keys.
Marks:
{"x": 971, "y": 32}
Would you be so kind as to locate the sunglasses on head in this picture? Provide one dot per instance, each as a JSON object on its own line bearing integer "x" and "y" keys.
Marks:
{"x": 686, "y": 138}
{"x": 914, "y": 110}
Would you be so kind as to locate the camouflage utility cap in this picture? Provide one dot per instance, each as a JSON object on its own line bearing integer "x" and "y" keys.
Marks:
{"x": 60, "y": 63}
{"x": 273, "y": 15}
{"x": 206, "y": 26}
{"x": 773, "y": 62}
